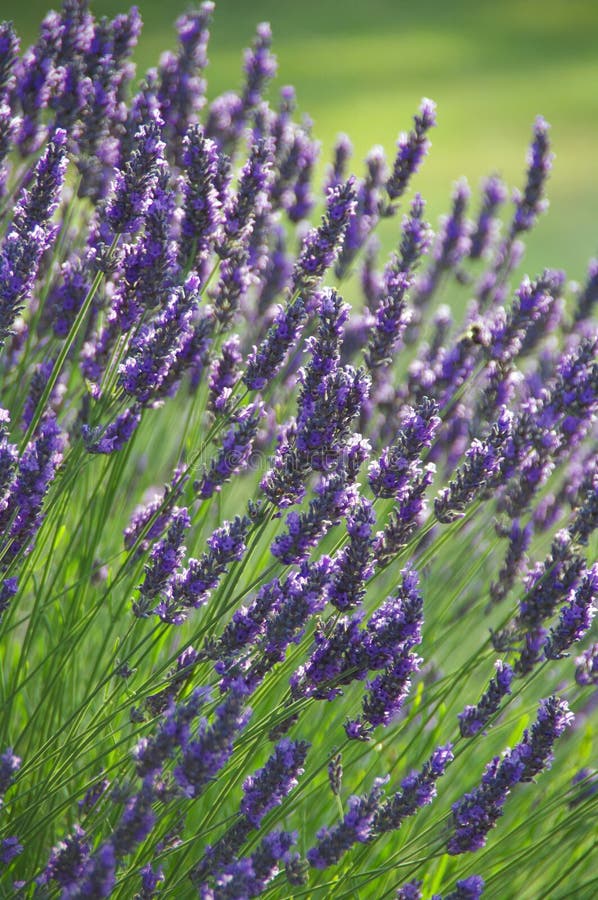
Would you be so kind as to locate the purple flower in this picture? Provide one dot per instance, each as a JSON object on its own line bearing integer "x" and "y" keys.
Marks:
{"x": 481, "y": 469}
{"x": 353, "y": 565}
{"x": 411, "y": 150}
{"x": 9, "y": 849}
{"x": 135, "y": 182}
{"x": 235, "y": 452}
{"x": 470, "y": 888}
{"x": 531, "y": 203}
{"x": 67, "y": 861}
{"x": 304, "y": 530}
{"x": 411, "y": 890}
{"x": 356, "y": 827}
{"x": 165, "y": 558}
{"x": 201, "y": 205}
{"x": 477, "y": 812}
{"x": 586, "y": 671}
{"x": 248, "y": 877}
{"x": 191, "y": 588}
{"x": 264, "y": 361}
{"x": 474, "y": 718}
{"x": 322, "y": 245}
{"x": 575, "y": 617}
{"x": 9, "y": 766}
{"x": 417, "y": 790}
{"x": 113, "y": 437}
{"x": 208, "y": 752}
{"x": 394, "y": 472}
{"x": 269, "y": 786}
{"x": 392, "y": 314}
{"x": 494, "y": 194}
{"x": 30, "y": 234}
{"x": 224, "y": 375}
{"x": 519, "y": 541}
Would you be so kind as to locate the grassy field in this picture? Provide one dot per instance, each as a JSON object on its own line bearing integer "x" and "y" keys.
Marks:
{"x": 361, "y": 68}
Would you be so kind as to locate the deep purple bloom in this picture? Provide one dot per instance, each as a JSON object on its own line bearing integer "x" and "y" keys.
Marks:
{"x": 22, "y": 515}
{"x": 478, "y": 811}
{"x": 531, "y": 203}
{"x": 9, "y": 766}
{"x": 264, "y": 361}
{"x": 235, "y": 451}
{"x": 470, "y": 888}
{"x": 392, "y": 314}
{"x": 170, "y": 735}
{"x": 411, "y": 150}
{"x": 417, "y": 790}
{"x": 114, "y": 436}
{"x": 322, "y": 245}
{"x": 393, "y": 473}
{"x": 248, "y": 877}
{"x": 201, "y": 204}
{"x": 9, "y": 849}
{"x": 304, "y": 530}
{"x": 67, "y": 861}
{"x": 204, "y": 755}
{"x": 482, "y": 468}
{"x": 224, "y": 375}
{"x": 356, "y": 827}
{"x": 30, "y": 233}
{"x": 411, "y": 890}
{"x": 269, "y": 786}
{"x": 494, "y": 194}
{"x": 353, "y": 565}
{"x": 586, "y": 671}
{"x": 474, "y": 718}
{"x": 575, "y": 617}
{"x": 191, "y": 587}
{"x": 165, "y": 558}
{"x": 134, "y": 183}
{"x": 519, "y": 541}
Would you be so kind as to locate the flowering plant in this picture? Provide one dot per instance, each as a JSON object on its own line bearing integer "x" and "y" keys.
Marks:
{"x": 293, "y": 590}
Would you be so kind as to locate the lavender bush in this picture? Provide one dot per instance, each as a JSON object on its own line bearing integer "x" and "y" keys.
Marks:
{"x": 297, "y": 560}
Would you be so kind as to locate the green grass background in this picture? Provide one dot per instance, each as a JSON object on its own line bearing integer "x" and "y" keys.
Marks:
{"x": 362, "y": 67}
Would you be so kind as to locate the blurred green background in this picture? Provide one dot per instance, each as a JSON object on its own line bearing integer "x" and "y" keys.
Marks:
{"x": 362, "y": 67}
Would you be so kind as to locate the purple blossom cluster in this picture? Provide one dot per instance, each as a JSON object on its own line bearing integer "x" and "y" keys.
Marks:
{"x": 336, "y": 460}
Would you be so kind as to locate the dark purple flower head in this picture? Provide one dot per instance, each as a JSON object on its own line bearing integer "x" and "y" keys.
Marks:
{"x": 411, "y": 890}
{"x": 204, "y": 755}
{"x": 269, "y": 786}
{"x": 393, "y": 472}
{"x": 30, "y": 233}
{"x": 135, "y": 182}
{"x": 354, "y": 564}
{"x": 586, "y": 671}
{"x": 337, "y": 171}
{"x": 392, "y": 314}
{"x": 191, "y": 588}
{"x": 356, "y": 827}
{"x": 9, "y": 48}
{"x": 235, "y": 451}
{"x": 322, "y": 245}
{"x": 530, "y": 204}
{"x": 201, "y": 203}
{"x": 411, "y": 150}
{"x": 475, "y": 718}
{"x": 224, "y": 375}
{"x": 417, "y": 790}
{"x": 165, "y": 558}
{"x": 9, "y": 849}
{"x": 67, "y": 861}
{"x": 265, "y": 360}
{"x": 470, "y": 888}
{"x": 575, "y": 617}
{"x": 115, "y": 435}
{"x": 9, "y": 766}
{"x": 494, "y": 194}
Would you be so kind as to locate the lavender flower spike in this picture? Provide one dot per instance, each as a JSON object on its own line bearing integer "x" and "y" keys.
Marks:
{"x": 411, "y": 150}
{"x": 531, "y": 204}
{"x": 357, "y": 826}
{"x": 30, "y": 233}
{"x": 417, "y": 790}
{"x": 576, "y": 616}
{"x": 234, "y": 455}
{"x": 268, "y": 786}
{"x": 475, "y": 718}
